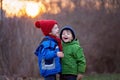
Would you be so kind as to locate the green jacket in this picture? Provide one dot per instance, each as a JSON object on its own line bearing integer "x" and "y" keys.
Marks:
{"x": 74, "y": 61}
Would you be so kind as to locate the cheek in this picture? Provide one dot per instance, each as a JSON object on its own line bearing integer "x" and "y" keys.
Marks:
{"x": 55, "y": 32}
{"x": 70, "y": 37}
{"x": 62, "y": 36}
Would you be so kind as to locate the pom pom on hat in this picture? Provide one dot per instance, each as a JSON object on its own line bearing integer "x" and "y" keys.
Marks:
{"x": 37, "y": 24}
{"x": 45, "y": 25}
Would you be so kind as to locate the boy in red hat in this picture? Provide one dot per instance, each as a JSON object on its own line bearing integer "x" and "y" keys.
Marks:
{"x": 49, "y": 50}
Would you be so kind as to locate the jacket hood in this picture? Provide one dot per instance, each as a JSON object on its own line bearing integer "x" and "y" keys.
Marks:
{"x": 68, "y": 28}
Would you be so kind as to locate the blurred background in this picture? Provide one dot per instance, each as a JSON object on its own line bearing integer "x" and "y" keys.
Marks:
{"x": 97, "y": 25}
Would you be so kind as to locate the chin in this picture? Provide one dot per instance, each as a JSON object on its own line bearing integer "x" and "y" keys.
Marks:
{"x": 66, "y": 41}
{"x": 57, "y": 35}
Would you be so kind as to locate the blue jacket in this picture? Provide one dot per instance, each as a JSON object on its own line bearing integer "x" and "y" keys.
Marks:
{"x": 48, "y": 61}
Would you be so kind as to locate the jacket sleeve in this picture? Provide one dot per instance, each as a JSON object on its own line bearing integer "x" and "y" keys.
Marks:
{"x": 49, "y": 50}
{"x": 37, "y": 50}
{"x": 80, "y": 60}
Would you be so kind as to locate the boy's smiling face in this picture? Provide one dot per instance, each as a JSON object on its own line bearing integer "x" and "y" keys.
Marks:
{"x": 67, "y": 36}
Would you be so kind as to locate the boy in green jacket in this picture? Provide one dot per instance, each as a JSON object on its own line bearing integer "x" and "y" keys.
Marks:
{"x": 73, "y": 63}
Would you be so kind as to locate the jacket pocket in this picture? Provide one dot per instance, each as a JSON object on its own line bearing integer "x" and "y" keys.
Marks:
{"x": 48, "y": 64}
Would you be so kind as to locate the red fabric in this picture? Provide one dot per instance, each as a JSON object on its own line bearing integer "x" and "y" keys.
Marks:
{"x": 45, "y": 25}
{"x": 58, "y": 41}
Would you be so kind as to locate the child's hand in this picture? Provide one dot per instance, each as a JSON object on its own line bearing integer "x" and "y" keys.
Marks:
{"x": 79, "y": 77}
{"x": 60, "y": 54}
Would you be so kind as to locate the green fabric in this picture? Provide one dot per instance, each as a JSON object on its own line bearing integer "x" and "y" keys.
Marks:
{"x": 74, "y": 60}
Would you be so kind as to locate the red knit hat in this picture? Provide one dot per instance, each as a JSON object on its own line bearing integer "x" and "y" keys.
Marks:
{"x": 45, "y": 25}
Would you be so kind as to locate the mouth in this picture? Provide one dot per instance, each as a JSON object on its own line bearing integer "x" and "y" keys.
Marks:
{"x": 65, "y": 38}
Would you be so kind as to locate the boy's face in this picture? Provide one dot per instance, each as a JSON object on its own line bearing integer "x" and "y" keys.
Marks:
{"x": 55, "y": 30}
{"x": 67, "y": 36}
